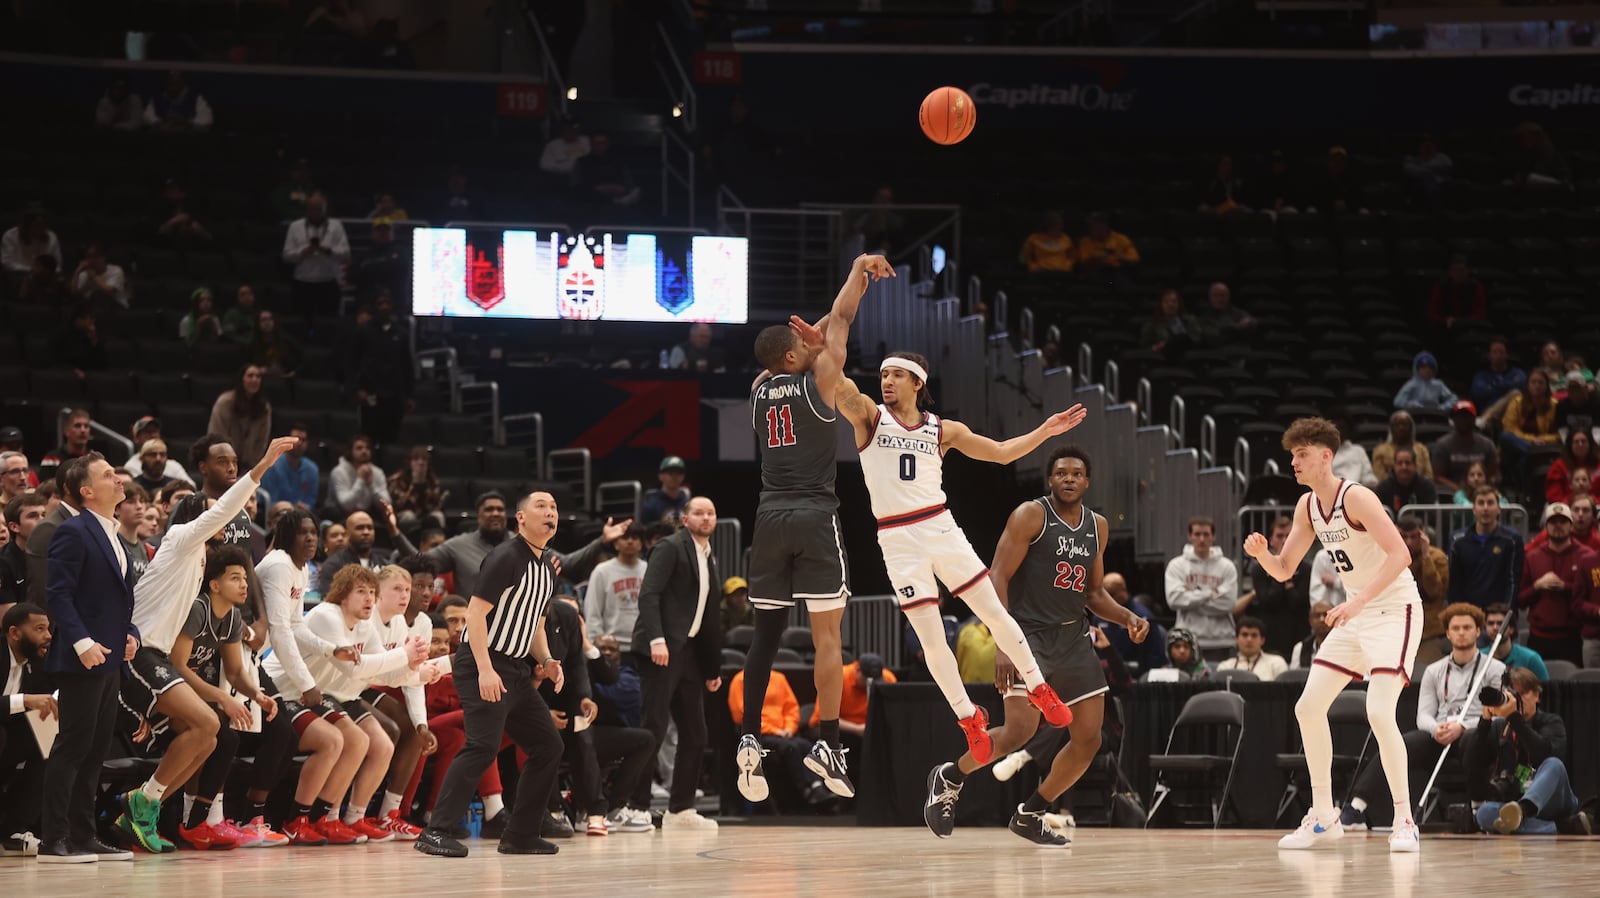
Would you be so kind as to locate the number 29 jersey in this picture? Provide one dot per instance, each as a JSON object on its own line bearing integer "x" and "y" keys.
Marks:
{"x": 903, "y": 466}
{"x": 798, "y": 440}
{"x": 1355, "y": 553}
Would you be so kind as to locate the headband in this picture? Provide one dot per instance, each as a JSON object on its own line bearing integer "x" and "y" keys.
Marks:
{"x": 896, "y": 361}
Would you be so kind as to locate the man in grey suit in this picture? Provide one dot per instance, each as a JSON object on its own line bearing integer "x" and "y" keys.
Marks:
{"x": 39, "y": 542}
{"x": 678, "y": 632}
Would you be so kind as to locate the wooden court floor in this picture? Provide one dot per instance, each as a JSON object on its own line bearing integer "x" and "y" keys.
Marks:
{"x": 847, "y": 861}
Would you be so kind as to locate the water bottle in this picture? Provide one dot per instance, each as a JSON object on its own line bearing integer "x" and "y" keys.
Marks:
{"x": 474, "y": 819}
{"x": 665, "y": 359}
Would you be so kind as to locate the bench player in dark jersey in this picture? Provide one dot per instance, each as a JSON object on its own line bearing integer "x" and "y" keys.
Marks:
{"x": 796, "y": 553}
{"x": 1048, "y": 570}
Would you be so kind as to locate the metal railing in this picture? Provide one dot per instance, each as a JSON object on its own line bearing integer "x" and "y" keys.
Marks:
{"x": 1142, "y": 398}
{"x": 619, "y": 499}
{"x": 1177, "y": 419}
{"x": 946, "y": 221}
{"x": 573, "y": 468}
{"x": 676, "y": 150}
{"x": 1443, "y": 519}
{"x": 1086, "y": 363}
{"x": 1113, "y": 380}
{"x": 680, "y": 87}
{"x": 727, "y": 547}
{"x": 560, "y": 226}
{"x": 557, "y": 92}
{"x": 525, "y": 430}
{"x": 795, "y": 254}
{"x": 432, "y": 363}
{"x": 98, "y": 430}
{"x": 871, "y": 624}
{"x": 486, "y": 407}
{"x": 1208, "y": 440}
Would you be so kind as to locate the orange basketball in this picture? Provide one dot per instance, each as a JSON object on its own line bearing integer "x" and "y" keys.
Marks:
{"x": 948, "y": 115}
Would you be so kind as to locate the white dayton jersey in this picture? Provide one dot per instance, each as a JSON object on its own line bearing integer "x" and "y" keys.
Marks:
{"x": 1355, "y": 553}
{"x": 903, "y": 466}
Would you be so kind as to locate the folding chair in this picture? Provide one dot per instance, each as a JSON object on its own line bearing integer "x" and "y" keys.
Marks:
{"x": 1209, "y": 719}
{"x": 1346, "y": 718}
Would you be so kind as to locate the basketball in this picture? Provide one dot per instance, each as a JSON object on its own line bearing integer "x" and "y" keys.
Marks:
{"x": 948, "y": 115}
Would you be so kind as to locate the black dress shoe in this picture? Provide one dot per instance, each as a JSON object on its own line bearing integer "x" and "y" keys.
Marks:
{"x": 554, "y": 826}
{"x": 435, "y": 842}
{"x": 60, "y": 851}
{"x": 494, "y": 827}
{"x": 105, "y": 852}
{"x": 529, "y": 846}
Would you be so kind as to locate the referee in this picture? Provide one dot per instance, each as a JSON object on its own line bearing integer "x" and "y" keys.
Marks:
{"x": 505, "y": 627}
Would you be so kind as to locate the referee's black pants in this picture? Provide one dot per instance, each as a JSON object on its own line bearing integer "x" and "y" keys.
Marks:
{"x": 521, "y": 714}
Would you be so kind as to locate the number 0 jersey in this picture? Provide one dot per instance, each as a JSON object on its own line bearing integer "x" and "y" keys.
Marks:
{"x": 1355, "y": 553}
{"x": 903, "y": 466}
{"x": 798, "y": 440}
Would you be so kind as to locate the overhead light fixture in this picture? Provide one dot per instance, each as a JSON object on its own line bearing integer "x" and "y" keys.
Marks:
{"x": 677, "y": 110}
{"x": 572, "y": 93}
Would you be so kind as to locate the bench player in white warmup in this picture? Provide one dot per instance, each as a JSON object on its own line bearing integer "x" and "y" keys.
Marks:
{"x": 902, "y": 459}
{"x": 1374, "y": 633}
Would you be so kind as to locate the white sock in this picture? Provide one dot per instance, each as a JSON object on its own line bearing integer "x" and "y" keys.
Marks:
{"x": 331, "y": 816}
{"x": 153, "y": 790}
{"x": 1360, "y": 804}
{"x": 984, "y": 602}
{"x": 1402, "y": 812}
{"x": 929, "y": 627}
{"x": 492, "y": 806}
{"x": 391, "y": 802}
{"x": 188, "y": 807}
{"x": 215, "y": 817}
{"x": 354, "y": 815}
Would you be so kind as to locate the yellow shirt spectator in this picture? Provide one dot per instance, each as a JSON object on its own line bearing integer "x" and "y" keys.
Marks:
{"x": 1105, "y": 248}
{"x": 975, "y": 653}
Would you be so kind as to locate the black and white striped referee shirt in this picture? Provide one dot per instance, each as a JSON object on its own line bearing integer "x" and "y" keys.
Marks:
{"x": 519, "y": 583}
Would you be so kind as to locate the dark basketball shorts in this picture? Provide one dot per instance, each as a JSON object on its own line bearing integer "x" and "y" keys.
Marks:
{"x": 797, "y": 555}
{"x": 358, "y": 709}
{"x": 302, "y": 716}
{"x": 1067, "y": 658}
{"x": 151, "y": 675}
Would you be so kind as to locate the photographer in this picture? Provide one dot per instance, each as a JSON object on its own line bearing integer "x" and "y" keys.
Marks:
{"x": 1514, "y": 759}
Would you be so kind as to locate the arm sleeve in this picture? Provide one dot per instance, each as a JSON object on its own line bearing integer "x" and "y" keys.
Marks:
{"x": 443, "y": 558}
{"x": 283, "y": 622}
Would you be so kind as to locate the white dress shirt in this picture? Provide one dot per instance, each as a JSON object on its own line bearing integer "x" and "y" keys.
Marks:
{"x": 702, "y": 554}
{"x": 110, "y": 527}
{"x": 316, "y": 268}
{"x": 14, "y": 682}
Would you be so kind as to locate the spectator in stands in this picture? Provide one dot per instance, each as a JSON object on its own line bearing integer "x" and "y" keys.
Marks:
{"x": 169, "y": 496}
{"x": 130, "y": 529}
{"x": 1402, "y": 435}
{"x": 1424, "y": 389}
{"x": 22, "y": 514}
{"x": 1486, "y": 559}
{"x": 178, "y": 109}
{"x": 81, "y": 346}
{"x": 1555, "y": 577}
{"x": 385, "y": 208}
{"x": 1249, "y": 638}
{"x": 1439, "y": 698}
{"x": 43, "y": 285}
{"x": 357, "y": 484}
{"x": 273, "y": 348}
{"x": 1306, "y": 649}
{"x": 14, "y": 475}
{"x": 119, "y": 109}
{"x": 1477, "y": 475}
{"x": 1351, "y": 462}
{"x": 1278, "y": 191}
{"x": 1457, "y": 296}
{"x": 1536, "y": 164}
{"x": 1226, "y": 324}
{"x": 736, "y": 608}
{"x": 780, "y": 733}
{"x": 1455, "y": 452}
{"x": 1510, "y": 652}
{"x": 1279, "y": 606}
{"x": 1553, "y": 362}
{"x": 1149, "y": 654}
{"x": 239, "y": 321}
{"x": 360, "y": 548}
{"x": 1515, "y": 738}
{"x": 243, "y": 415}
{"x": 1584, "y": 532}
{"x": 666, "y": 502}
{"x": 1429, "y": 172}
{"x": 975, "y": 648}
{"x": 384, "y": 265}
{"x": 97, "y": 281}
{"x": 416, "y": 492}
{"x": 1430, "y": 567}
{"x": 1577, "y": 454}
{"x": 462, "y": 554}
{"x": 1530, "y": 420}
{"x": 1579, "y": 409}
{"x": 1340, "y": 190}
{"x": 1498, "y": 380}
{"x": 611, "y": 604}
{"x": 603, "y": 177}
{"x": 1226, "y": 191}
{"x": 696, "y": 354}
{"x": 74, "y": 443}
{"x": 1049, "y": 249}
{"x": 178, "y": 223}
{"x": 1405, "y": 485}
{"x": 562, "y": 153}
{"x": 1170, "y": 330}
{"x": 293, "y": 478}
{"x": 1104, "y": 249}
{"x": 1202, "y": 587}
{"x": 859, "y": 675}
{"x": 1182, "y": 656}
{"x": 318, "y": 249}
{"x": 152, "y": 476}
{"x": 382, "y": 373}
{"x": 201, "y": 324}
{"x": 25, "y": 637}
{"x": 457, "y": 202}
{"x": 29, "y": 240}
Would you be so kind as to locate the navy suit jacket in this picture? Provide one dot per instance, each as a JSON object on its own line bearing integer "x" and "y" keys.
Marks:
{"x": 88, "y": 595}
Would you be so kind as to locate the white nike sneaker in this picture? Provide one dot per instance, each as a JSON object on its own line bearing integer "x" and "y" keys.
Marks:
{"x": 1311, "y": 834}
{"x": 1007, "y": 767}
{"x": 1406, "y": 837}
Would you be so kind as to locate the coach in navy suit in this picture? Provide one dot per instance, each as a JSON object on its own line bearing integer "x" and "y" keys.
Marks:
{"x": 90, "y": 600}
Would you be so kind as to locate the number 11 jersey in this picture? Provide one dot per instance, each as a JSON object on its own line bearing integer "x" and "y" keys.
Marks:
{"x": 798, "y": 440}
